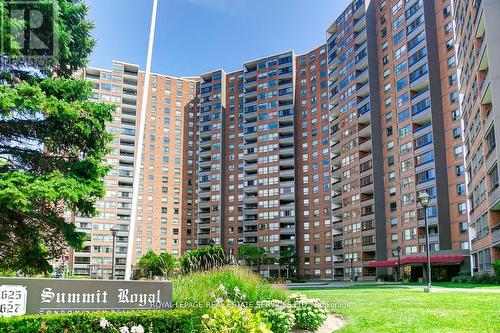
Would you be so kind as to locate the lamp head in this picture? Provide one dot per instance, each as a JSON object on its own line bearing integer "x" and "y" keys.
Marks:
{"x": 424, "y": 198}
{"x": 114, "y": 230}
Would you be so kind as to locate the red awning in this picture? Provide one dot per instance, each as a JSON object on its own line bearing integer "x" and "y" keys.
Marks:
{"x": 415, "y": 259}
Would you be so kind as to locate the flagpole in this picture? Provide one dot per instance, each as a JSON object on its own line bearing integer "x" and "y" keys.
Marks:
{"x": 140, "y": 143}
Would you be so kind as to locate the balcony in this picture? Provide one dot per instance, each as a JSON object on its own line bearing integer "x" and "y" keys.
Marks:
{"x": 486, "y": 90}
{"x": 360, "y": 24}
{"x": 289, "y": 162}
{"x": 433, "y": 238}
{"x": 495, "y": 236}
{"x": 494, "y": 198}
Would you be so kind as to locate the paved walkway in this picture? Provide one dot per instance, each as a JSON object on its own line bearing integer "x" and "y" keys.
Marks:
{"x": 335, "y": 284}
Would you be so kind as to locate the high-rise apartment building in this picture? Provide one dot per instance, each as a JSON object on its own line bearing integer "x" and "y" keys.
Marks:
{"x": 395, "y": 134}
{"x": 478, "y": 45}
{"x": 322, "y": 154}
{"x": 167, "y": 193}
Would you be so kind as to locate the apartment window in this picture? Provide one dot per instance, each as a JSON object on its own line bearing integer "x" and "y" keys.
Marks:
{"x": 384, "y": 32}
{"x": 462, "y": 227}
{"x": 425, "y": 176}
{"x": 482, "y": 227}
{"x": 382, "y": 19}
{"x": 449, "y": 45}
{"x": 454, "y": 97}
{"x": 493, "y": 177}
{"x": 459, "y": 170}
{"x": 394, "y": 221}
{"x": 451, "y": 61}
{"x": 447, "y": 11}
{"x": 460, "y": 189}
{"x": 458, "y": 151}
{"x": 452, "y": 79}
{"x": 457, "y": 132}
{"x": 464, "y": 245}
{"x": 404, "y": 115}
{"x": 490, "y": 140}
{"x": 394, "y": 206}
{"x": 392, "y": 176}
{"x": 462, "y": 208}
{"x": 400, "y": 68}
{"x": 392, "y": 191}
{"x": 455, "y": 115}
{"x": 402, "y": 83}
{"x": 448, "y": 28}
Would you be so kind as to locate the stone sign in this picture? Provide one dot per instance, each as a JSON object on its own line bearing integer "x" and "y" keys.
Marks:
{"x": 20, "y": 296}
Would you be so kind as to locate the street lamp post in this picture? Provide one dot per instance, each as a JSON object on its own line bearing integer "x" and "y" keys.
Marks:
{"x": 113, "y": 230}
{"x": 352, "y": 270}
{"x": 424, "y": 199}
{"x": 397, "y": 252}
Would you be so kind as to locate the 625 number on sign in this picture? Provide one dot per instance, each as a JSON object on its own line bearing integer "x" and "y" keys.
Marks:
{"x": 12, "y": 300}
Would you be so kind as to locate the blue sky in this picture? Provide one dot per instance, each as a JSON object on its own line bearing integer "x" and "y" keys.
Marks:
{"x": 197, "y": 36}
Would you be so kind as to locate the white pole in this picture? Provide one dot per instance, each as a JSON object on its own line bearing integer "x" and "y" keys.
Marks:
{"x": 140, "y": 142}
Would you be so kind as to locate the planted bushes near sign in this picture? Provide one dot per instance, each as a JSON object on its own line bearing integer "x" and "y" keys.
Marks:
{"x": 229, "y": 318}
{"x": 172, "y": 321}
{"x": 310, "y": 314}
{"x": 278, "y": 314}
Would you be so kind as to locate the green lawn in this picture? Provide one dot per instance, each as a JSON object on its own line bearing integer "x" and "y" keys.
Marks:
{"x": 456, "y": 285}
{"x": 389, "y": 309}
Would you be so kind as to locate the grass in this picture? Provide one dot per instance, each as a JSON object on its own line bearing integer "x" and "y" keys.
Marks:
{"x": 389, "y": 309}
{"x": 197, "y": 287}
{"x": 456, "y": 285}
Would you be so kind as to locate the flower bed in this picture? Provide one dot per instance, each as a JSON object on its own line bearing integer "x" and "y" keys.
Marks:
{"x": 177, "y": 321}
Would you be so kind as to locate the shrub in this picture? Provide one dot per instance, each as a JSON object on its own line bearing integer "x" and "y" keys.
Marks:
{"x": 233, "y": 319}
{"x": 461, "y": 278}
{"x": 385, "y": 277}
{"x": 178, "y": 321}
{"x": 476, "y": 279}
{"x": 309, "y": 314}
{"x": 296, "y": 297}
{"x": 278, "y": 314}
{"x": 496, "y": 268}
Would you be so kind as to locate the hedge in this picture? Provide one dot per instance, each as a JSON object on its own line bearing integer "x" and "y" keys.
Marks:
{"x": 172, "y": 321}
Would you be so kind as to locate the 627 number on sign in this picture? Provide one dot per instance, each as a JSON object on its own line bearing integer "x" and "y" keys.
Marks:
{"x": 12, "y": 300}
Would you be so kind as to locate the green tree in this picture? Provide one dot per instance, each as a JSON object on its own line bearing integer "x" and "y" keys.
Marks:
{"x": 152, "y": 264}
{"x": 149, "y": 264}
{"x": 253, "y": 255}
{"x": 288, "y": 259}
{"x": 167, "y": 263}
{"x": 53, "y": 142}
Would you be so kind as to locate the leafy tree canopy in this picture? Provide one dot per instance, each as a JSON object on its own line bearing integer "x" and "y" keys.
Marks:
{"x": 53, "y": 142}
{"x": 157, "y": 265}
{"x": 70, "y": 29}
{"x": 253, "y": 255}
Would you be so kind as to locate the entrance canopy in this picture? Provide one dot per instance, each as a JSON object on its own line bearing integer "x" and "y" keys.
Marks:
{"x": 420, "y": 259}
